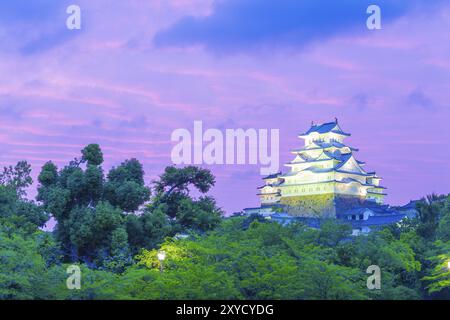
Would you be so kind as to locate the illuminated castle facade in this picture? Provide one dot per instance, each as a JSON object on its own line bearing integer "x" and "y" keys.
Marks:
{"x": 324, "y": 178}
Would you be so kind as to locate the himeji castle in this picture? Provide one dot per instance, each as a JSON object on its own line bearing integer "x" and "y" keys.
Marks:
{"x": 324, "y": 180}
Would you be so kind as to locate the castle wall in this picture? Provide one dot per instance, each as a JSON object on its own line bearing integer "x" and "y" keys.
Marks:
{"x": 319, "y": 206}
{"x": 344, "y": 203}
{"x": 328, "y": 205}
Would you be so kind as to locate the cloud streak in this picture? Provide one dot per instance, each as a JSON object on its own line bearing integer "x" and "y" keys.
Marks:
{"x": 33, "y": 26}
{"x": 239, "y": 26}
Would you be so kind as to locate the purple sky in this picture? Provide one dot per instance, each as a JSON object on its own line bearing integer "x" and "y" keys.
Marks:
{"x": 140, "y": 69}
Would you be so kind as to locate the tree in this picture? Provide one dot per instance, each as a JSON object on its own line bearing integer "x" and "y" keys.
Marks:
{"x": 92, "y": 154}
{"x": 24, "y": 213}
{"x": 148, "y": 229}
{"x": 173, "y": 195}
{"x": 97, "y": 234}
{"x": 443, "y": 228}
{"x": 48, "y": 175}
{"x": 332, "y": 232}
{"x": 24, "y": 267}
{"x": 198, "y": 215}
{"x": 429, "y": 213}
{"x": 17, "y": 177}
{"x": 89, "y": 209}
{"x": 178, "y": 180}
{"x": 125, "y": 187}
{"x": 438, "y": 278}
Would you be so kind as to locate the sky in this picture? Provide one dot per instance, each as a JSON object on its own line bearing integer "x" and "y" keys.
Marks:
{"x": 138, "y": 70}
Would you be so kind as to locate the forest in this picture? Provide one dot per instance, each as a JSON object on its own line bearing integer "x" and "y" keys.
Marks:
{"x": 112, "y": 226}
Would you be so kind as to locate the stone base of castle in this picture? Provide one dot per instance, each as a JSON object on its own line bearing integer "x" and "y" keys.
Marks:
{"x": 320, "y": 206}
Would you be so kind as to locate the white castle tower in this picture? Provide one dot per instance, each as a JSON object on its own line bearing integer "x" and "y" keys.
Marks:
{"x": 324, "y": 176}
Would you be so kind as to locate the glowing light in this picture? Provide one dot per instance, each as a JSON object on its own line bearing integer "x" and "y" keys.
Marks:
{"x": 161, "y": 255}
{"x": 448, "y": 264}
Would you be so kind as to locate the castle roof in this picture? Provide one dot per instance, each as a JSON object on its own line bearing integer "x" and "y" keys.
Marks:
{"x": 325, "y": 170}
{"x": 344, "y": 157}
{"x": 324, "y": 145}
{"x": 268, "y": 193}
{"x": 344, "y": 181}
{"x": 272, "y": 176}
{"x": 351, "y": 180}
{"x": 327, "y": 127}
{"x": 380, "y": 220}
{"x": 410, "y": 205}
{"x": 383, "y": 194}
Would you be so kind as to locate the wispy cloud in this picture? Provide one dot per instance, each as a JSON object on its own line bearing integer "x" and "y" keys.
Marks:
{"x": 239, "y": 26}
{"x": 417, "y": 98}
{"x": 33, "y": 26}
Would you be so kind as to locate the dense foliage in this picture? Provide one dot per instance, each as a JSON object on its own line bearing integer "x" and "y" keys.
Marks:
{"x": 112, "y": 228}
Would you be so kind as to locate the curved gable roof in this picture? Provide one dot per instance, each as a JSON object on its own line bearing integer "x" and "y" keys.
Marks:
{"x": 325, "y": 128}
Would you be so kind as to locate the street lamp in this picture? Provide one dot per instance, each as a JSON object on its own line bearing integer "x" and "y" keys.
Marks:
{"x": 448, "y": 264}
{"x": 161, "y": 257}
